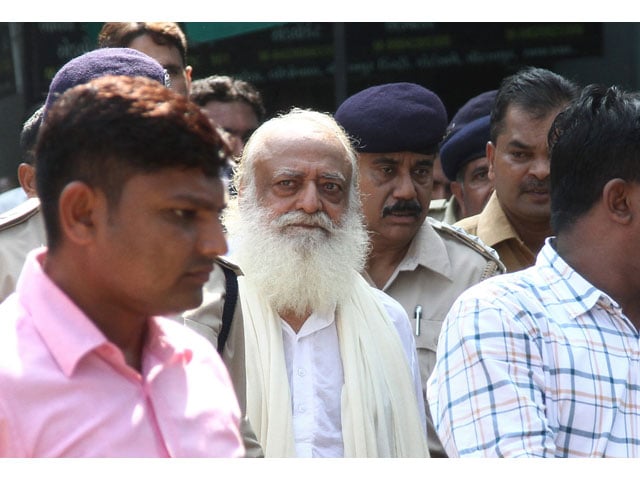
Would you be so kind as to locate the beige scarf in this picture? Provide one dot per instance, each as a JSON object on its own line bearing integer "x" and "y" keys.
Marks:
{"x": 380, "y": 416}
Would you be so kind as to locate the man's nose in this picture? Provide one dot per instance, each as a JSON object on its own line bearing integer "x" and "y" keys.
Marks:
{"x": 540, "y": 167}
{"x": 404, "y": 188}
{"x": 309, "y": 199}
{"x": 212, "y": 241}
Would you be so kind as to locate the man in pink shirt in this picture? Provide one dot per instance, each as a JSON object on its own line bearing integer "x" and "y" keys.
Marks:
{"x": 128, "y": 178}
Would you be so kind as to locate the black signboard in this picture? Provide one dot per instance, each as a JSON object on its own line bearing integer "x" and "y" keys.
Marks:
{"x": 294, "y": 63}
{"x": 48, "y": 46}
{"x": 7, "y": 77}
{"x": 316, "y": 64}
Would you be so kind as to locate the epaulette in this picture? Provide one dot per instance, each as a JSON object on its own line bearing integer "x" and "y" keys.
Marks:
{"x": 437, "y": 208}
{"x": 20, "y": 213}
{"x": 226, "y": 262}
{"x": 438, "y": 204}
{"x": 496, "y": 265}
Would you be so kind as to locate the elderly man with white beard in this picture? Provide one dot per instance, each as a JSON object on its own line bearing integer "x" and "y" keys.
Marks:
{"x": 331, "y": 364}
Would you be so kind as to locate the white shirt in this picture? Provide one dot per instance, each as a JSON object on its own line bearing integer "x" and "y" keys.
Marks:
{"x": 314, "y": 369}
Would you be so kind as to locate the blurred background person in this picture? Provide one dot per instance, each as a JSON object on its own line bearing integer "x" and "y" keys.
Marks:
{"x": 234, "y": 105}
{"x": 26, "y": 169}
{"x": 464, "y": 158}
{"x": 163, "y": 41}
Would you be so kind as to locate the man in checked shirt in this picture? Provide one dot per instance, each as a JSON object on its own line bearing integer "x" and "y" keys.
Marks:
{"x": 544, "y": 362}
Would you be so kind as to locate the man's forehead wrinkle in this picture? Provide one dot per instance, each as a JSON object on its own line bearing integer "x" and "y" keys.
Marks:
{"x": 287, "y": 172}
{"x": 333, "y": 176}
{"x": 293, "y": 172}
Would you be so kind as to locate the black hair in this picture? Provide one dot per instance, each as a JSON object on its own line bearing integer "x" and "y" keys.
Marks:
{"x": 105, "y": 131}
{"x": 537, "y": 91}
{"x": 222, "y": 88}
{"x": 29, "y": 135}
{"x": 121, "y": 34}
{"x": 596, "y": 140}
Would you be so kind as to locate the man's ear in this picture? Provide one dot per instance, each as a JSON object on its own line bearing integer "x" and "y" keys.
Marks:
{"x": 617, "y": 201}
{"x": 491, "y": 157}
{"x": 188, "y": 72}
{"x": 78, "y": 206}
{"x": 27, "y": 179}
{"x": 456, "y": 190}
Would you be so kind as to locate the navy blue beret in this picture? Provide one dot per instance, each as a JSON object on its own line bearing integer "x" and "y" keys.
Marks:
{"x": 464, "y": 145}
{"x": 476, "y": 107}
{"x": 394, "y": 117}
{"x": 101, "y": 62}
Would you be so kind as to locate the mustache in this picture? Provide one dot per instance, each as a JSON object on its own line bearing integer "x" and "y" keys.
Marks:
{"x": 297, "y": 217}
{"x": 534, "y": 184}
{"x": 403, "y": 206}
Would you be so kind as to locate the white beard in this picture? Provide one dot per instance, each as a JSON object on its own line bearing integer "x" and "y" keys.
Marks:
{"x": 300, "y": 270}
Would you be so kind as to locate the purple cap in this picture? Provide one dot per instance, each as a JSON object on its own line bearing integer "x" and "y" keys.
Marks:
{"x": 464, "y": 145}
{"x": 394, "y": 117}
{"x": 101, "y": 62}
{"x": 474, "y": 108}
{"x": 467, "y": 134}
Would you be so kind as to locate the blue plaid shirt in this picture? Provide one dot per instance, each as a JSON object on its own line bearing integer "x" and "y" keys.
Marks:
{"x": 537, "y": 363}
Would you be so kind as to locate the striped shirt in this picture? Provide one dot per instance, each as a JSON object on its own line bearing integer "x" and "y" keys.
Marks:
{"x": 537, "y": 363}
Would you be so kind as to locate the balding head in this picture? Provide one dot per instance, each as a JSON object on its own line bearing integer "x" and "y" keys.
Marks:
{"x": 304, "y": 129}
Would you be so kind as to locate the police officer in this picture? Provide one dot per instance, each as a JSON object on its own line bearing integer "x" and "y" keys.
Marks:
{"x": 464, "y": 159}
{"x": 21, "y": 227}
{"x": 516, "y": 219}
{"x": 421, "y": 262}
{"x": 444, "y": 207}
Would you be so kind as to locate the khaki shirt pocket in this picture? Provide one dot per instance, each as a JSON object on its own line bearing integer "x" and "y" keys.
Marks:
{"x": 427, "y": 344}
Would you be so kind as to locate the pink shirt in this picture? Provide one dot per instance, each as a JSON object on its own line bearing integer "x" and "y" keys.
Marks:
{"x": 66, "y": 391}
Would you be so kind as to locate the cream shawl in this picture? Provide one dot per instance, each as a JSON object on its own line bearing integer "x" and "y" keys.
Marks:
{"x": 380, "y": 416}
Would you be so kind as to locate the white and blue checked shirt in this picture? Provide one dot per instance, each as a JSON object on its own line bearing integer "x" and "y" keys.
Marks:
{"x": 537, "y": 363}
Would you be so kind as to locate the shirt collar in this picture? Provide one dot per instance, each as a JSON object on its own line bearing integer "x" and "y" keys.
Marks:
{"x": 316, "y": 322}
{"x": 427, "y": 250}
{"x": 68, "y": 333}
{"x": 493, "y": 225}
{"x": 572, "y": 289}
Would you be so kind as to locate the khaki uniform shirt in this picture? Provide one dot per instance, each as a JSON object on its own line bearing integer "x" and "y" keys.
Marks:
{"x": 440, "y": 264}
{"x": 21, "y": 230}
{"x": 207, "y": 321}
{"x": 493, "y": 227}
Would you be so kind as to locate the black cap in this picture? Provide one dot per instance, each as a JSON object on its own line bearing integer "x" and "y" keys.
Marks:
{"x": 394, "y": 117}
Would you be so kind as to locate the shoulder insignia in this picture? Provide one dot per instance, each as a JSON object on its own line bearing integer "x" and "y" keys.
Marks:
{"x": 226, "y": 262}
{"x": 20, "y": 213}
{"x": 438, "y": 204}
{"x": 494, "y": 264}
{"x": 438, "y": 208}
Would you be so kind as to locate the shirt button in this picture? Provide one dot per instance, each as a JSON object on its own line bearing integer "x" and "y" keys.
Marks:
{"x": 301, "y": 409}
{"x": 302, "y": 372}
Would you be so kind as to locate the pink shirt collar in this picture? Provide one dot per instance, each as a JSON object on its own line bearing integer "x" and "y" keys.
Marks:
{"x": 71, "y": 336}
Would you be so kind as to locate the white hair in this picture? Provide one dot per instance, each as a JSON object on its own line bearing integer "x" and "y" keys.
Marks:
{"x": 298, "y": 269}
{"x": 244, "y": 174}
